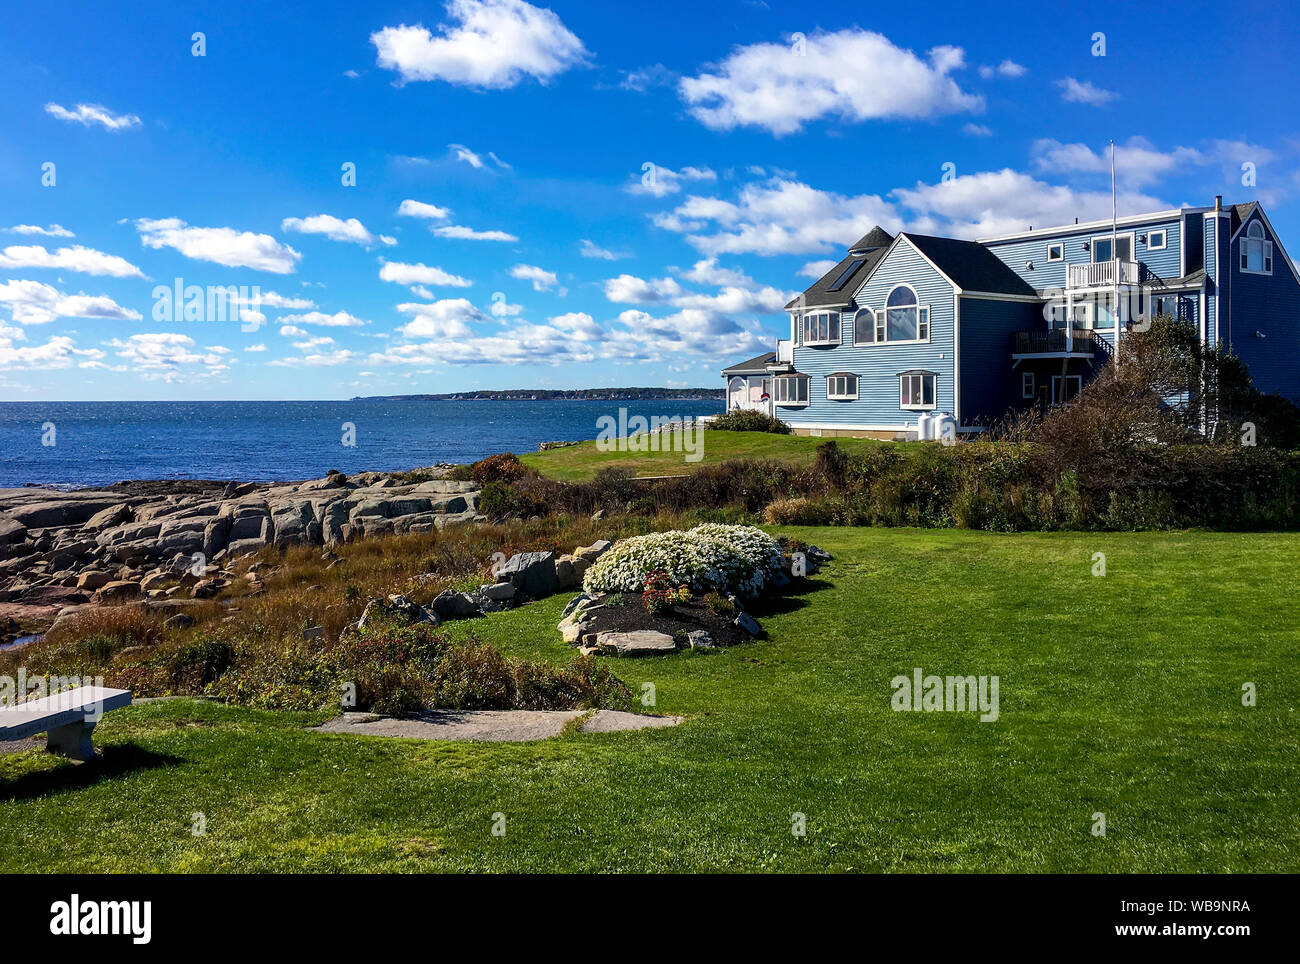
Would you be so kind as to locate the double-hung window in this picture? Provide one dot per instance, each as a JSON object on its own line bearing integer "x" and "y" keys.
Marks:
{"x": 916, "y": 390}
{"x": 1256, "y": 253}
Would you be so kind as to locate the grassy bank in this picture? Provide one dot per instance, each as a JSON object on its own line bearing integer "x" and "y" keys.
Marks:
{"x": 577, "y": 463}
{"x": 1119, "y": 694}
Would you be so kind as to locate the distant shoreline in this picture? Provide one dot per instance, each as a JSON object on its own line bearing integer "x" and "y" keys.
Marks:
{"x": 564, "y": 395}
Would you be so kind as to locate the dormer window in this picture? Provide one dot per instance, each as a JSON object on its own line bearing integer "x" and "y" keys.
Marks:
{"x": 821, "y": 328}
{"x": 1256, "y": 253}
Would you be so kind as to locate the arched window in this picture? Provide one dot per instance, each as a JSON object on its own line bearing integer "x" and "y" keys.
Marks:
{"x": 864, "y": 327}
{"x": 1256, "y": 253}
{"x": 903, "y": 316}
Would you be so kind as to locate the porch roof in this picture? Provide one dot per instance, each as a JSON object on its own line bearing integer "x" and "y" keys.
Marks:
{"x": 755, "y": 366}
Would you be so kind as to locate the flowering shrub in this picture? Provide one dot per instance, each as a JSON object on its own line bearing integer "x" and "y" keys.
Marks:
{"x": 710, "y": 556}
{"x": 661, "y": 595}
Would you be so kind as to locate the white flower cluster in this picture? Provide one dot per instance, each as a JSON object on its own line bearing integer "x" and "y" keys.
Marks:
{"x": 710, "y": 556}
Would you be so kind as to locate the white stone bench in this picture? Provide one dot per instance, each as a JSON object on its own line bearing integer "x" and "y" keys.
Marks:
{"x": 68, "y": 718}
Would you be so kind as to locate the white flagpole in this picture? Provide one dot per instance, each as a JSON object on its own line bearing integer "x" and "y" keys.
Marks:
{"x": 1114, "y": 249}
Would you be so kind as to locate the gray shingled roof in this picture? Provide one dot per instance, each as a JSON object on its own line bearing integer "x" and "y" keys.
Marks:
{"x": 820, "y": 294}
{"x": 754, "y": 365}
{"x": 970, "y": 265}
{"x": 1241, "y": 213}
{"x": 877, "y": 237}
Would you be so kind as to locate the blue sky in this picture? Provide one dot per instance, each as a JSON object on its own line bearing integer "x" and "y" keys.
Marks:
{"x": 570, "y": 195}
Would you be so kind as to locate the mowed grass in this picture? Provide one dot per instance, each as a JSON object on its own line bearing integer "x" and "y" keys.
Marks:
{"x": 577, "y": 463}
{"x": 1119, "y": 694}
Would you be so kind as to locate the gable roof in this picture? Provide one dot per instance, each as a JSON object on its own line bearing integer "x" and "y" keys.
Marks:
{"x": 1240, "y": 215}
{"x": 755, "y": 365}
{"x": 819, "y": 294}
{"x": 970, "y": 265}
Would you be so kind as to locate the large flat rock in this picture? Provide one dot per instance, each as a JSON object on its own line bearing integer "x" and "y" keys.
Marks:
{"x": 491, "y": 726}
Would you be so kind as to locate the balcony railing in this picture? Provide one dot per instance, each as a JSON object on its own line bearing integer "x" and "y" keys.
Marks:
{"x": 1055, "y": 341}
{"x": 1103, "y": 273}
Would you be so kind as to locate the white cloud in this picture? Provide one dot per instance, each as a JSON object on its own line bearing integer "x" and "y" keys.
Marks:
{"x": 87, "y": 114}
{"x": 542, "y": 280}
{"x": 340, "y": 319}
{"x": 658, "y": 181}
{"x": 419, "y": 209}
{"x": 977, "y": 130}
{"x": 53, "y": 231}
{"x": 778, "y": 216}
{"x": 1008, "y": 68}
{"x": 709, "y": 272}
{"x": 501, "y": 308}
{"x": 234, "y": 249}
{"x": 293, "y": 331}
{"x": 58, "y": 352}
{"x": 272, "y": 299}
{"x": 1000, "y": 202}
{"x": 168, "y": 356}
{"x": 335, "y": 229}
{"x": 1084, "y": 92}
{"x": 590, "y": 249}
{"x": 449, "y": 318}
{"x": 33, "y": 303}
{"x": 256, "y": 348}
{"x": 1136, "y": 162}
{"x": 75, "y": 258}
{"x": 488, "y": 43}
{"x": 628, "y": 289}
{"x": 854, "y": 75}
{"x": 642, "y": 80}
{"x": 815, "y": 269}
{"x": 411, "y": 274}
{"x": 462, "y": 233}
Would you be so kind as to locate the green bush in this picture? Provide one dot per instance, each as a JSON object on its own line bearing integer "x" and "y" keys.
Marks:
{"x": 748, "y": 420}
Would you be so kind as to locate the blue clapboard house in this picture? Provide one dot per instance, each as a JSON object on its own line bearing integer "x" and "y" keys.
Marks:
{"x": 912, "y": 325}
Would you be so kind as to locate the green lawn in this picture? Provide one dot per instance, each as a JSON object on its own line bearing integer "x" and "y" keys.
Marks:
{"x": 1118, "y": 694}
{"x": 580, "y": 462}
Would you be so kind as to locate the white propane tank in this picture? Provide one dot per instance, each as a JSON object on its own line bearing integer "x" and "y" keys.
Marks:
{"x": 923, "y": 426}
{"x": 944, "y": 427}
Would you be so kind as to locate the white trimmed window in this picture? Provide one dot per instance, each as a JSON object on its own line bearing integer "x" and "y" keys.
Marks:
{"x": 1056, "y": 251}
{"x": 1256, "y": 253}
{"x": 916, "y": 390}
{"x": 821, "y": 328}
{"x": 1026, "y": 384}
{"x": 1157, "y": 239}
{"x": 842, "y": 387}
{"x": 864, "y": 327}
{"x": 1065, "y": 387}
{"x": 790, "y": 390}
{"x": 902, "y": 319}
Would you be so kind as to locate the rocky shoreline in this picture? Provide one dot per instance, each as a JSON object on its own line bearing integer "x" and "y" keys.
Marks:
{"x": 155, "y": 540}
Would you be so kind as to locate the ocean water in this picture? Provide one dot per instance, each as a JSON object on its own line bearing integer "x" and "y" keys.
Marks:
{"x": 97, "y": 443}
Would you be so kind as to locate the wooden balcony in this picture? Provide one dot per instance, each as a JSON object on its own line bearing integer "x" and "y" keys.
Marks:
{"x": 1101, "y": 273}
{"x": 1052, "y": 343}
